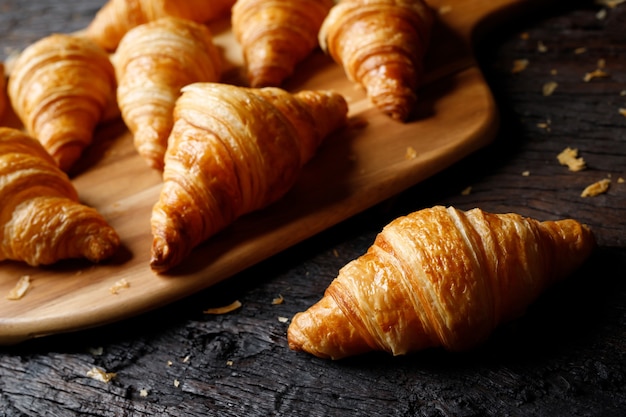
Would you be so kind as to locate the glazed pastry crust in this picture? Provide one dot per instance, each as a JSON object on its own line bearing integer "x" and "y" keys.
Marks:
{"x": 276, "y": 35}
{"x": 41, "y": 219}
{"x": 381, "y": 45}
{"x": 233, "y": 150}
{"x": 152, "y": 63}
{"x": 439, "y": 277}
{"x": 117, "y": 17}
{"x": 60, "y": 87}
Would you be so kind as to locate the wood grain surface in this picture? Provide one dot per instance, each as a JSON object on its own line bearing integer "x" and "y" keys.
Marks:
{"x": 565, "y": 357}
{"x": 356, "y": 168}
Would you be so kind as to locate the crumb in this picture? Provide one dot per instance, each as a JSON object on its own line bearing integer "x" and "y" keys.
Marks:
{"x": 283, "y": 319}
{"x": 569, "y": 157}
{"x": 278, "y": 300}
{"x": 119, "y": 285}
{"x": 526, "y": 174}
{"x": 98, "y": 351}
{"x": 622, "y": 111}
{"x": 224, "y": 309}
{"x": 541, "y": 47}
{"x": 545, "y": 125}
{"x": 524, "y": 36}
{"x": 597, "y": 73}
{"x": 620, "y": 180}
{"x": 580, "y": 50}
{"x": 597, "y": 188}
{"x": 549, "y": 88}
{"x": 229, "y": 363}
{"x": 170, "y": 363}
{"x": 186, "y": 359}
{"x": 22, "y": 285}
{"x": 176, "y": 383}
{"x": 554, "y": 71}
{"x": 143, "y": 393}
{"x": 519, "y": 65}
{"x": 336, "y": 253}
{"x": 101, "y": 375}
{"x": 445, "y": 9}
{"x": 601, "y": 14}
{"x": 411, "y": 153}
{"x": 622, "y": 93}
{"x": 466, "y": 191}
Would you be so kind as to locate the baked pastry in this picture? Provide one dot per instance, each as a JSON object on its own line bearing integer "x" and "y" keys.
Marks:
{"x": 152, "y": 63}
{"x": 41, "y": 218}
{"x": 381, "y": 46}
{"x": 60, "y": 87}
{"x": 233, "y": 150}
{"x": 276, "y": 35}
{"x": 439, "y": 277}
{"x": 117, "y": 17}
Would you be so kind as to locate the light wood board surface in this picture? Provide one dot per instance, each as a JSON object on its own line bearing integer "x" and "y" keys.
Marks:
{"x": 369, "y": 161}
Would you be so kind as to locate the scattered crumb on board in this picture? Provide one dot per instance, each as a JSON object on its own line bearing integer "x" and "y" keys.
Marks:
{"x": 224, "y": 309}
{"x": 101, "y": 375}
{"x": 597, "y": 188}
{"x": 22, "y": 285}
{"x": 569, "y": 157}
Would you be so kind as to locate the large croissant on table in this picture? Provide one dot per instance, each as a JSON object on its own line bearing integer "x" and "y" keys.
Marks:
{"x": 153, "y": 62}
{"x": 117, "y": 17}
{"x": 61, "y": 87}
{"x": 439, "y": 277}
{"x": 233, "y": 150}
{"x": 276, "y": 35}
{"x": 381, "y": 46}
{"x": 41, "y": 218}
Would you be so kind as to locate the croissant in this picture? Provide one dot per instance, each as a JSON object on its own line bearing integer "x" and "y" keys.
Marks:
{"x": 381, "y": 46}
{"x": 233, "y": 150}
{"x": 117, "y": 17}
{"x": 60, "y": 87}
{"x": 276, "y": 35}
{"x": 41, "y": 219}
{"x": 153, "y": 62}
{"x": 439, "y": 277}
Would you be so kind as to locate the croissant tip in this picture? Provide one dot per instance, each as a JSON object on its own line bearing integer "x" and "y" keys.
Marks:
{"x": 101, "y": 247}
{"x": 162, "y": 258}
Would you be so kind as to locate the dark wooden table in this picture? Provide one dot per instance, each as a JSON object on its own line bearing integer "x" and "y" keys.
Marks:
{"x": 565, "y": 357}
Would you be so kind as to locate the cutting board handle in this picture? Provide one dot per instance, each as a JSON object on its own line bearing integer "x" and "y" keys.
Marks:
{"x": 472, "y": 18}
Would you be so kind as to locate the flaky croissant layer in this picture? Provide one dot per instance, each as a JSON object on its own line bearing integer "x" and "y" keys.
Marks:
{"x": 439, "y": 277}
{"x": 381, "y": 45}
{"x": 41, "y": 219}
{"x": 276, "y": 35}
{"x": 152, "y": 63}
{"x": 117, "y": 17}
{"x": 60, "y": 87}
{"x": 233, "y": 150}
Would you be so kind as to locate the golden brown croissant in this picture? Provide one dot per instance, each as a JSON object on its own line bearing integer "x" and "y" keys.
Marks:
{"x": 153, "y": 62}
{"x": 41, "y": 219}
{"x": 381, "y": 46}
{"x": 117, "y": 17}
{"x": 233, "y": 150}
{"x": 439, "y": 277}
{"x": 60, "y": 87}
{"x": 276, "y": 35}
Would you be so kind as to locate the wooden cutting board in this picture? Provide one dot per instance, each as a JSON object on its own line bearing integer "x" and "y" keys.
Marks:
{"x": 369, "y": 161}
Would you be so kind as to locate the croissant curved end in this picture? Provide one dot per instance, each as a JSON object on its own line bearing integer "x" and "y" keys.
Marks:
{"x": 100, "y": 247}
{"x": 165, "y": 256}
